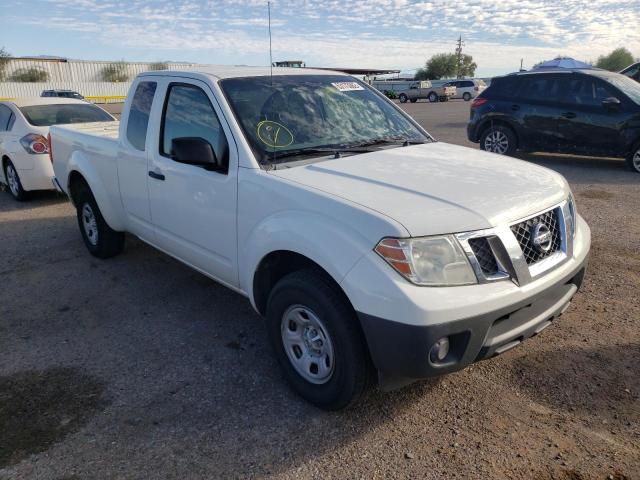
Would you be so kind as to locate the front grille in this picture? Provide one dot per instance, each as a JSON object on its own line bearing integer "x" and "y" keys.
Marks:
{"x": 484, "y": 255}
{"x": 523, "y": 231}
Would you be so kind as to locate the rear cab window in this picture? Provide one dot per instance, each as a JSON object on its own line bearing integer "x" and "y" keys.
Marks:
{"x": 138, "y": 121}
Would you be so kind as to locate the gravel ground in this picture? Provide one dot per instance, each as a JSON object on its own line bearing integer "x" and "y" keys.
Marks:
{"x": 138, "y": 367}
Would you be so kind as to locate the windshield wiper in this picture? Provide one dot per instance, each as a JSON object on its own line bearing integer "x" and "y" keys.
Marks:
{"x": 405, "y": 142}
{"x": 337, "y": 151}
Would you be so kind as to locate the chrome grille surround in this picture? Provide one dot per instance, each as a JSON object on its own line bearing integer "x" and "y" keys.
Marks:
{"x": 508, "y": 251}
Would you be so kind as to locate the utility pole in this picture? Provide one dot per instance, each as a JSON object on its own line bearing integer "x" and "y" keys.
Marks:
{"x": 460, "y": 44}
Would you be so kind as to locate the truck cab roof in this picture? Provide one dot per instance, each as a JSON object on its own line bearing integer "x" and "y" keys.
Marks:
{"x": 220, "y": 72}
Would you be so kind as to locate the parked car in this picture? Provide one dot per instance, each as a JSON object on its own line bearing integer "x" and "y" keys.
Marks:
{"x": 425, "y": 90}
{"x": 632, "y": 71}
{"x": 467, "y": 89}
{"x": 348, "y": 228}
{"x": 24, "y": 149}
{"x": 62, "y": 94}
{"x": 585, "y": 112}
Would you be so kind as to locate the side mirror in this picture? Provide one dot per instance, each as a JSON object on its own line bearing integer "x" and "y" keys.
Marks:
{"x": 611, "y": 103}
{"x": 194, "y": 151}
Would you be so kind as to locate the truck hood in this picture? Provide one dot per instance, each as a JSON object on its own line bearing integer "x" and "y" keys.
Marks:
{"x": 436, "y": 188}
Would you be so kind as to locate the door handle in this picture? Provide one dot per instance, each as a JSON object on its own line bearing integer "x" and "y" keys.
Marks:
{"x": 569, "y": 115}
{"x": 156, "y": 175}
{"x": 515, "y": 108}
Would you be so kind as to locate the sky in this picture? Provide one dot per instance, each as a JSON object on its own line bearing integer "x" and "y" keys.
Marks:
{"x": 398, "y": 34}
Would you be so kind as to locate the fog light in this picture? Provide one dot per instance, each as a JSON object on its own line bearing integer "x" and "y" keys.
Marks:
{"x": 440, "y": 350}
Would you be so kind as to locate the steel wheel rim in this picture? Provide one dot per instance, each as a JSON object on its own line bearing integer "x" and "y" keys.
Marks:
{"x": 636, "y": 160}
{"x": 12, "y": 180}
{"x": 89, "y": 224}
{"x": 307, "y": 344}
{"x": 496, "y": 142}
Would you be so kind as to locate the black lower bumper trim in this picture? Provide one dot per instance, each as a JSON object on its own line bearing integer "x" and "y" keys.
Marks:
{"x": 401, "y": 350}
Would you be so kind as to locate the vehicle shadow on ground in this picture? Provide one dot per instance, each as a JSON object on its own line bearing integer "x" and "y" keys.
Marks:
{"x": 36, "y": 199}
{"x": 581, "y": 170}
{"x": 557, "y": 378}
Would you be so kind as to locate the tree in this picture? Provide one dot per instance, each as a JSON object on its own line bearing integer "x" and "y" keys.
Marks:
{"x": 30, "y": 74}
{"x": 445, "y": 65}
{"x": 115, "y": 72}
{"x": 616, "y": 60}
{"x": 4, "y": 61}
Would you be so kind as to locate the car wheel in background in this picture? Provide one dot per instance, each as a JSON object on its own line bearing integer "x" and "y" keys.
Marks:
{"x": 433, "y": 97}
{"x": 413, "y": 100}
{"x": 633, "y": 160}
{"x": 466, "y": 96}
{"x": 13, "y": 182}
{"x": 99, "y": 238}
{"x": 403, "y": 98}
{"x": 317, "y": 340}
{"x": 498, "y": 139}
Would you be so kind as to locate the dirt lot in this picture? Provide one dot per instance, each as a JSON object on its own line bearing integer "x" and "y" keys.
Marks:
{"x": 139, "y": 367}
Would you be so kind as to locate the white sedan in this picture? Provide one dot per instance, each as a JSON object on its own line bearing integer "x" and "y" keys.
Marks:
{"x": 24, "y": 149}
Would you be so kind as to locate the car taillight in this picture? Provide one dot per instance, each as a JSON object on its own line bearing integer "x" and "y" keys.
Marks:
{"x": 478, "y": 102}
{"x": 35, "y": 143}
{"x": 50, "y": 148}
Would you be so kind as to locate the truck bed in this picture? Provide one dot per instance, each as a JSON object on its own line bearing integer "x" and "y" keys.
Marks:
{"x": 100, "y": 129}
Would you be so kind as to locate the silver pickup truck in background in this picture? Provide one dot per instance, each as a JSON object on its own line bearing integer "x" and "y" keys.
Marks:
{"x": 425, "y": 90}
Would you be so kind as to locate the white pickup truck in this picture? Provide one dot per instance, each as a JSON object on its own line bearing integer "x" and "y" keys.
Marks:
{"x": 367, "y": 246}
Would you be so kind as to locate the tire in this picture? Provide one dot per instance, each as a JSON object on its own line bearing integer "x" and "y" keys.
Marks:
{"x": 14, "y": 184}
{"x": 99, "y": 238}
{"x": 433, "y": 97}
{"x": 403, "y": 98}
{"x": 633, "y": 160}
{"x": 466, "y": 96}
{"x": 413, "y": 100}
{"x": 305, "y": 306}
{"x": 498, "y": 139}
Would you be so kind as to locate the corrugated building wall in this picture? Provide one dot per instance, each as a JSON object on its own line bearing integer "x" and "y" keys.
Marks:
{"x": 85, "y": 77}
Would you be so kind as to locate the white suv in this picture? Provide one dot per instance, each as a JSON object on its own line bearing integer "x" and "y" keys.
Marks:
{"x": 467, "y": 89}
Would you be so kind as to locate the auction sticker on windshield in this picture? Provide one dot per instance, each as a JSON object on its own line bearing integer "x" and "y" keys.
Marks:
{"x": 347, "y": 86}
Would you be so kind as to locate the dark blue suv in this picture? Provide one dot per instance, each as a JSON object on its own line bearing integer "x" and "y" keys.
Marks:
{"x": 584, "y": 112}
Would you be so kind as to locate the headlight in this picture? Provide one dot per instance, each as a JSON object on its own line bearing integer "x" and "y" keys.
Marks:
{"x": 432, "y": 261}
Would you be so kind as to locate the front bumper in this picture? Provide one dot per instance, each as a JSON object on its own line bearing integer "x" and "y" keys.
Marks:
{"x": 401, "y": 350}
{"x": 402, "y": 322}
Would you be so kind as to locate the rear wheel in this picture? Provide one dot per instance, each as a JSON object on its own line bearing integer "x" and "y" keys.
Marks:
{"x": 633, "y": 160}
{"x": 317, "y": 340}
{"x": 498, "y": 139}
{"x": 466, "y": 96}
{"x": 99, "y": 238}
{"x": 403, "y": 98}
{"x": 14, "y": 183}
{"x": 433, "y": 97}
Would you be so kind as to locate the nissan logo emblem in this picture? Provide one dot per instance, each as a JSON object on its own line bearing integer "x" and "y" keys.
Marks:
{"x": 541, "y": 237}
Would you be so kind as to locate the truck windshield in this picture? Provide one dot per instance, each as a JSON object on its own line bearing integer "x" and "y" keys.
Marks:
{"x": 63, "y": 114}
{"x": 307, "y": 114}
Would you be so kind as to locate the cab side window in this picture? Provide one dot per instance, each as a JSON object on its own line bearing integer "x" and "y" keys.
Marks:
{"x": 189, "y": 113}
{"x": 138, "y": 121}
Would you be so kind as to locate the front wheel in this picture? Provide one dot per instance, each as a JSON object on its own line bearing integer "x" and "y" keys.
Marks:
{"x": 466, "y": 96}
{"x": 317, "y": 340}
{"x": 403, "y": 98}
{"x": 14, "y": 183}
{"x": 633, "y": 160}
{"x": 498, "y": 139}
{"x": 433, "y": 97}
{"x": 99, "y": 238}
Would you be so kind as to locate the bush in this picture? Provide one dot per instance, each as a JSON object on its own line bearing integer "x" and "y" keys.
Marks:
{"x": 158, "y": 66}
{"x": 30, "y": 74}
{"x": 115, "y": 72}
{"x": 390, "y": 94}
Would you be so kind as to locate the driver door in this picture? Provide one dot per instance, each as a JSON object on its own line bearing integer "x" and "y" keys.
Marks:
{"x": 193, "y": 210}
